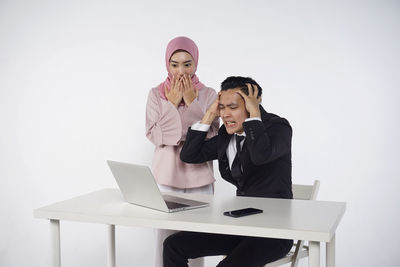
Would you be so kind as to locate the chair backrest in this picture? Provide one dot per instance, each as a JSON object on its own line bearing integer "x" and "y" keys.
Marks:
{"x": 306, "y": 192}
{"x": 301, "y": 192}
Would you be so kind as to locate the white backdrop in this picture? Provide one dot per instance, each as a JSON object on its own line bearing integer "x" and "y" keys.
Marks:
{"x": 74, "y": 79}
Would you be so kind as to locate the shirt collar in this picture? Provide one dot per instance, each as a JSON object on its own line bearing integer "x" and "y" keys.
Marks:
{"x": 242, "y": 134}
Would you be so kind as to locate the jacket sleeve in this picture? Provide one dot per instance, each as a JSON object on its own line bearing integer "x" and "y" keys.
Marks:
{"x": 163, "y": 122}
{"x": 198, "y": 150}
{"x": 266, "y": 144}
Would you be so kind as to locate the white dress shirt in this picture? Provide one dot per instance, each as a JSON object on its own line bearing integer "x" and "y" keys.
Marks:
{"x": 231, "y": 150}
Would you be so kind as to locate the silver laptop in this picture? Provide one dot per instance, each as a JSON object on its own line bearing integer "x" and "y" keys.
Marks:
{"x": 138, "y": 186}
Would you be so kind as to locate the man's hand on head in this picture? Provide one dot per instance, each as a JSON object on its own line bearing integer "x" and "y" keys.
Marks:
{"x": 251, "y": 101}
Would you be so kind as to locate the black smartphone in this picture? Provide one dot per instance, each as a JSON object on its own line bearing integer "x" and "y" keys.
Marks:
{"x": 242, "y": 212}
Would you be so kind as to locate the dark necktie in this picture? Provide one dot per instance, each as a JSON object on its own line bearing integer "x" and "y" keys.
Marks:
{"x": 236, "y": 169}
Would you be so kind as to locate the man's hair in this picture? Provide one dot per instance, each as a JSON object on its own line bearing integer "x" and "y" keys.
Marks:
{"x": 233, "y": 82}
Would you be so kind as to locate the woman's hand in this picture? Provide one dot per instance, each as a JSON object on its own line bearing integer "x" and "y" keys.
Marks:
{"x": 176, "y": 93}
{"x": 190, "y": 93}
{"x": 212, "y": 112}
{"x": 251, "y": 101}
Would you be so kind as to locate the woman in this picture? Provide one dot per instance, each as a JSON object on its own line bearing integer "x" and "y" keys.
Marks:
{"x": 172, "y": 107}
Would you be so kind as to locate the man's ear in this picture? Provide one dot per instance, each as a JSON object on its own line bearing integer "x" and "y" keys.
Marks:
{"x": 259, "y": 99}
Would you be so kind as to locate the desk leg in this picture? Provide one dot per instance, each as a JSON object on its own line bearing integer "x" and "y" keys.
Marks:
{"x": 313, "y": 257}
{"x": 55, "y": 243}
{"x": 111, "y": 246}
{"x": 330, "y": 253}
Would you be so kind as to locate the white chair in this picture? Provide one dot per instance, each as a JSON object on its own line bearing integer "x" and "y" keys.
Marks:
{"x": 299, "y": 250}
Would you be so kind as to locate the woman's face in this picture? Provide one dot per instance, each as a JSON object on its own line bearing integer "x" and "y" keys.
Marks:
{"x": 181, "y": 63}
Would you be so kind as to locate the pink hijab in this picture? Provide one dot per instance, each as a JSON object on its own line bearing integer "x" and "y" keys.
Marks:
{"x": 180, "y": 43}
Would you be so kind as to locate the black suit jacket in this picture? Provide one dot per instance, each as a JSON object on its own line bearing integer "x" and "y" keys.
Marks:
{"x": 265, "y": 156}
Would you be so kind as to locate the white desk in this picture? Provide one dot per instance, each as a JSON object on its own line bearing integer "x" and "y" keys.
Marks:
{"x": 315, "y": 221}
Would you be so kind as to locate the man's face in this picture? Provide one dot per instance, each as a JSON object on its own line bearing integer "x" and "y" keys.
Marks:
{"x": 232, "y": 110}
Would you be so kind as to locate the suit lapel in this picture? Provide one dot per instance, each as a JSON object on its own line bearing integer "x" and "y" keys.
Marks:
{"x": 223, "y": 142}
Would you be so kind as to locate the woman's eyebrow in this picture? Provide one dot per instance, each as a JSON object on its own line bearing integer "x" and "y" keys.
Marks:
{"x": 187, "y": 61}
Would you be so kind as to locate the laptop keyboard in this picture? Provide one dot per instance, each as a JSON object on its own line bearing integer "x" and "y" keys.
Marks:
{"x": 175, "y": 205}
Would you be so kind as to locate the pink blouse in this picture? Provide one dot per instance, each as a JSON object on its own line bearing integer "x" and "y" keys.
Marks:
{"x": 166, "y": 128}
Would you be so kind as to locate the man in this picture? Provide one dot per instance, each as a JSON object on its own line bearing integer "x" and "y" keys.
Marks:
{"x": 259, "y": 166}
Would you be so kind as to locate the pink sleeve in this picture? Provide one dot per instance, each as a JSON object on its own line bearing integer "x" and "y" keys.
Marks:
{"x": 163, "y": 122}
{"x": 213, "y": 131}
{"x": 191, "y": 115}
{"x": 196, "y": 111}
{"x": 215, "y": 124}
